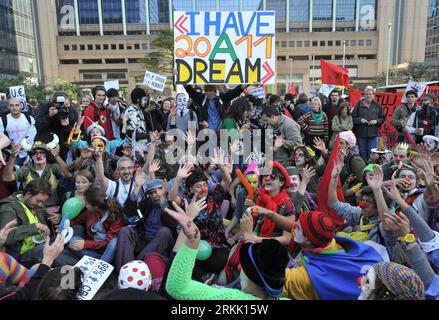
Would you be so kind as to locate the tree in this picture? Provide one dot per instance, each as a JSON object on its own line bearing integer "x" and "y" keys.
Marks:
{"x": 34, "y": 90}
{"x": 67, "y": 87}
{"x": 161, "y": 60}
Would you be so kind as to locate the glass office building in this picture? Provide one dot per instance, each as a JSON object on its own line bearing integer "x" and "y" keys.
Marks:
{"x": 17, "y": 48}
{"x": 432, "y": 46}
{"x": 291, "y": 15}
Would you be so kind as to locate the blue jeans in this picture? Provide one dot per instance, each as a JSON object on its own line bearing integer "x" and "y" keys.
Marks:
{"x": 365, "y": 145}
{"x": 108, "y": 254}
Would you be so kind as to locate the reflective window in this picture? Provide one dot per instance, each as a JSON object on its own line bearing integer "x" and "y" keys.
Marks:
{"x": 368, "y": 14}
{"x": 322, "y": 10}
{"x": 205, "y": 5}
{"x": 229, "y": 5}
{"x": 88, "y": 12}
{"x": 112, "y": 11}
{"x": 135, "y": 11}
{"x": 345, "y": 10}
{"x": 182, "y": 5}
{"x": 299, "y": 10}
{"x": 158, "y": 11}
{"x": 252, "y": 5}
{"x": 280, "y": 6}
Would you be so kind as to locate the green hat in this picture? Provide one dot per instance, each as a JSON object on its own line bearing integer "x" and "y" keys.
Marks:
{"x": 371, "y": 167}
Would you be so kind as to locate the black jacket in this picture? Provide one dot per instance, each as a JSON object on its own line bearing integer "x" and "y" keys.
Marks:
{"x": 154, "y": 121}
{"x": 200, "y": 101}
{"x": 374, "y": 112}
{"x": 46, "y": 125}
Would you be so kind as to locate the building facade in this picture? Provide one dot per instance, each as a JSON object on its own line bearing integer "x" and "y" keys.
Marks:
{"x": 91, "y": 41}
{"x": 17, "y": 45}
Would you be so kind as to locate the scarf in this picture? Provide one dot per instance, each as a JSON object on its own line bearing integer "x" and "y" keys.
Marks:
{"x": 317, "y": 117}
{"x": 267, "y": 202}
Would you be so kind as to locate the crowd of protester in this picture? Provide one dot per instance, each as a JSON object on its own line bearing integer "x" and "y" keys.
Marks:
{"x": 339, "y": 215}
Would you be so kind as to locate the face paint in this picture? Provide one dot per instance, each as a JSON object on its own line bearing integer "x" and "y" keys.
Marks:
{"x": 431, "y": 145}
{"x": 95, "y": 132}
{"x": 299, "y": 158}
{"x": 368, "y": 284}
{"x": 253, "y": 179}
{"x": 39, "y": 157}
{"x": 410, "y": 178}
{"x": 362, "y": 204}
{"x": 200, "y": 188}
{"x": 295, "y": 182}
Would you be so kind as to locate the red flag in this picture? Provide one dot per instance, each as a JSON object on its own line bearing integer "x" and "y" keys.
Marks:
{"x": 333, "y": 74}
{"x": 354, "y": 96}
{"x": 292, "y": 89}
{"x": 322, "y": 193}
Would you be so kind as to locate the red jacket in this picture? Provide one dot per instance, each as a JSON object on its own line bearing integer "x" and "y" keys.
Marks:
{"x": 95, "y": 114}
{"x": 89, "y": 218}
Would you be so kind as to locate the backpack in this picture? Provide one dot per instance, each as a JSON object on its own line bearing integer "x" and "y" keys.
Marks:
{"x": 5, "y": 121}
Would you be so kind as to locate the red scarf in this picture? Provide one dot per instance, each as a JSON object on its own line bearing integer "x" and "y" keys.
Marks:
{"x": 267, "y": 202}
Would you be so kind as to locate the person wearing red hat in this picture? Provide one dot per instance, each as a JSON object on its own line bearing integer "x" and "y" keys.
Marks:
{"x": 273, "y": 197}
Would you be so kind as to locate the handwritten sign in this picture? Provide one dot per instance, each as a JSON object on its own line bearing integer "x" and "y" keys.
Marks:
{"x": 18, "y": 93}
{"x": 154, "y": 81}
{"x": 95, "y": 273}
{"x": 326, "y": 89}
{"x": 419, "y": 87}
{"x": 224, "y": 47}
{"x": 113, "y": 84}
{"x": 258, "y": 92}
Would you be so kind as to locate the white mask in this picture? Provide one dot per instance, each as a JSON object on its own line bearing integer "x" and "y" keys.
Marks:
{"x": 182, "y": 104}
{"x": 368, "y": 284}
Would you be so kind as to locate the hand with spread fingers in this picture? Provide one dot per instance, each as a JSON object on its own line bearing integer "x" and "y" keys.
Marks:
{"x": 397, "y": 222}
{"x": 4, "y": 232}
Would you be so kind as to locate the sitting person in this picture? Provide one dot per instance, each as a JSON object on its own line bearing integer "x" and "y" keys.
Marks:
{"x": 262, "y": 266}
{"x": 302, "y": 199}
{"x": 367, "y": 217}
{"x": 83, "y": 181}
{"x": 154, "y": 232}
{"x": 24, "y": 243}
{"x": 96, "y": 230}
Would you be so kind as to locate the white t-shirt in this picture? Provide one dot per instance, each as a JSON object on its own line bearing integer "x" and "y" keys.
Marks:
{"x": 122, "y": 194}
{"x": 19, "y": 128}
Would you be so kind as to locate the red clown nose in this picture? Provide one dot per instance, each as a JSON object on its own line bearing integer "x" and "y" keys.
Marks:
{"x": 362, "y": 204}
{"x": 267, "y": 179}
{"x": 203, "y": 190}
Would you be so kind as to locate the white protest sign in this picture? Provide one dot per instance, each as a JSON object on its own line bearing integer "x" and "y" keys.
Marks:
{"x": 326, "y": 89}
{"x": 419, "y": 87}
{"x": 220, "y": 47}
{"x": 154, "y": 81}
{"x": 258, "y": 93}
{"x": 95, "y": 273}
{"x": 18, "y": 93}
{"x": 112, "y": 84}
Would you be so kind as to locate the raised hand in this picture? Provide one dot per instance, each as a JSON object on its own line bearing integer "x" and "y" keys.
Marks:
{"x": 190, "y": 138}
{"x": 307, "y": 174}
{"x": 184, "y": 171}
{"x": 154, "y": 136}
{"x": 336, "y": 170}
{"x": 51, "y": 252}
{"x": 188, "y": 227}
{"x": 196, "y": 206}
{"x": 139, "y": 178}
{"x": 154, "y": 166}
{"x": 319, "y": 144}
{"x": 6, "y": 230}
{"x": 55, "y": 151}
{"x": 246, "y": 224}
{"x": 397, "y": 222}
{"x": 15, "y": 150}
{"x": 375, "y": 181}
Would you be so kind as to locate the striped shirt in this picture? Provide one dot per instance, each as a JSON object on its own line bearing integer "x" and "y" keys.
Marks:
{"x": 310, "y": 127}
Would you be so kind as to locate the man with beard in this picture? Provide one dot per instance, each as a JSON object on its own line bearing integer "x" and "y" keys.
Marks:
{"x": 399, "y": 156}
{"x": 26, "y": 242}
{"x": 331, "y": 108}
{"x": 403, "y": 112}
{"x": 40, "y": 169}
{"x": 122, "y": 188}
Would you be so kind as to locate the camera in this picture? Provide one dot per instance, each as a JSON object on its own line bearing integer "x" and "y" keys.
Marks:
{"x": 63, "y": 111}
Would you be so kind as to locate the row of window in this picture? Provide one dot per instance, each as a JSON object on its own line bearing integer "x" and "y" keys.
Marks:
{"x": 323, "y": 43}
{"x": 113, "y": 46}
{"x": 103, "y": 76}
{"x": 327, "y": 57}
{"x": 99, "y": 61}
